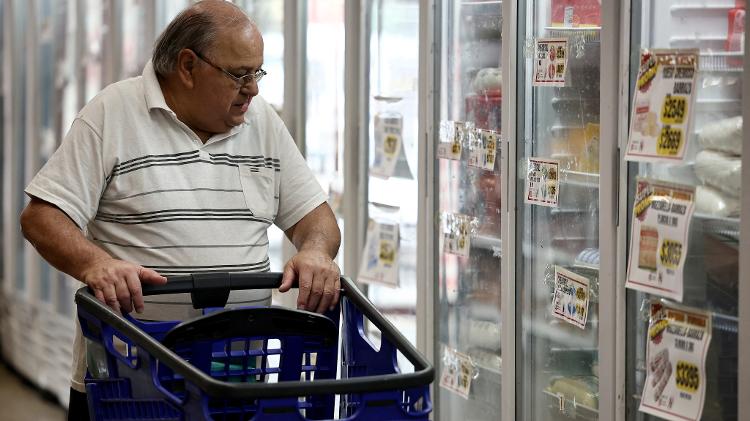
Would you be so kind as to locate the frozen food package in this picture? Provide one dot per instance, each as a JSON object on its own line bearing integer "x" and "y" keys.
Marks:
{"x": 488, "y": 79}
{"x": 584, "y": 389}
{"x": 719, "y": 170}
{"x": 723, "y": 135}
{"x": 712, "y": 202}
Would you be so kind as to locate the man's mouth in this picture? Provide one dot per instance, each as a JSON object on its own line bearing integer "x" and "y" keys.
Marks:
{"x": 243, "y": 105}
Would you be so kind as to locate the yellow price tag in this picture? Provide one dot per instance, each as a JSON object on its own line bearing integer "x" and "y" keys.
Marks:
{"x": 387, "y": 253}
{"x": 390, "y": 144}
{"x": 674, "y": 109}
{"x": 687, "y": 377}
{"x": 670, "y": 253}
{"x": 669, "y": 142}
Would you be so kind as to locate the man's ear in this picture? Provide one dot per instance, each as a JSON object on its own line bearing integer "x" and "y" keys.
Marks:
{"x": 186, "y": 66}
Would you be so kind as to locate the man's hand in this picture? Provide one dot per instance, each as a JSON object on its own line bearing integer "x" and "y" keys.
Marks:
{"x": 117, "y": 283}
{"x": 319, "y": 280}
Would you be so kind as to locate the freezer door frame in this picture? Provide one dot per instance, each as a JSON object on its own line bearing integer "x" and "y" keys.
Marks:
{"x": 743, "y": 374}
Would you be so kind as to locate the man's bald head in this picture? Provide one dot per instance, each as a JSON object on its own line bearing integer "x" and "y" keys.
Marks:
{"x": 197, "y": 28}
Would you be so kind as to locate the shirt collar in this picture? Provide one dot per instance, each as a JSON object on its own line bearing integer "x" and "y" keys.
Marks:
{"x": 154, "y": 95}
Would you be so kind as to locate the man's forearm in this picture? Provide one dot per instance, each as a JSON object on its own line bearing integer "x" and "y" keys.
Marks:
{"x": 58, "y": 239}
{"x": 318, "y": 230}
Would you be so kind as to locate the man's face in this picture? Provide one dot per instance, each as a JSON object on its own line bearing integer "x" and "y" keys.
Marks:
{"x": 220, "y": 103}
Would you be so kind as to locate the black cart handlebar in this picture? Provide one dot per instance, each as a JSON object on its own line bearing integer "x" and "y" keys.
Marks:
{"x": 423, "y": 371}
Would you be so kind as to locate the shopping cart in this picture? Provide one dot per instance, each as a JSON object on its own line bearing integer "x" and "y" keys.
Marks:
{"x": 262, "y": 363}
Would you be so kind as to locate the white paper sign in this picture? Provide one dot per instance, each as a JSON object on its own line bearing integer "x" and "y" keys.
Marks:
{"x": 484, "y": 150}
{"x": 451, "y": 140}
{"x": 380, "y": 258}
{"x": 458, "y": 372}
{"x": 659, "y": 238}
{"x": 457, "y": 234}
{"x": 387, "y": 145}
{"x": 677, "y": 344}
{"x": 543, "y": 182}
{"x": 661, "y": 122}
{"x": 550, "y": 62}
{"x": 571, "y": 300}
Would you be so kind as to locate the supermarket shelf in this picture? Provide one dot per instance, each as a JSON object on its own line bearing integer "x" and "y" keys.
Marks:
{"x": 727, "y": 228}
{"x": 721, "y": 61}
{"x": 577, "y": 178}
{"x": 489, "y": 243}
{"x": 570, "y": 408}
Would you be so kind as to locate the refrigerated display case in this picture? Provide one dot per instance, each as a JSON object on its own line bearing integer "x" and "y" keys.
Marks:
{"x": 557, "y": 210}
{"x": 711, "y": 170}
{"x": 468, "y": 246}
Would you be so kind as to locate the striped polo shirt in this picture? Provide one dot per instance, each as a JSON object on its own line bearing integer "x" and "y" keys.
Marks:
{"x": 147, "y": 190}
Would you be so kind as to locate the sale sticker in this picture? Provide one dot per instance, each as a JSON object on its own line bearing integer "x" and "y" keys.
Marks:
{"x": 542, "y": 182}
{"x": 663, "y": 104}
{"x": 458, "y": 372}
{"x": 676, "y": 347}
{"x": 571, "y": 299}
{"x": 550, "y": 62}
{"x": 457, "y": 231}
{"x": 388, "y": 131}
{"x": 380, "y": 257}
{"x": 452, "y": 134}
{"x": 658, "y": 240}
{"x": 484, "y": 150}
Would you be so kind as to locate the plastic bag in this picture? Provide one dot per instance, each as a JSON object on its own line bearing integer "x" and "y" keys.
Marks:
{"x": 712, "y": 202}
{"x": 723, "y": 135}
{"x": 720, "y": 171}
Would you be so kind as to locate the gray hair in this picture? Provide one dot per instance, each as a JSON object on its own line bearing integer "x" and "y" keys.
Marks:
{"x": 194, "y": 28}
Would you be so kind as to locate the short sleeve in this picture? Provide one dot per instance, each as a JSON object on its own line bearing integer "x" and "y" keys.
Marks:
{"x": 74, "y": 178}
{"x": 299, "y": 191}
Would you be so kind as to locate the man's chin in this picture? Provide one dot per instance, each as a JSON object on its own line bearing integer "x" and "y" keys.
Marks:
{"x": 235, "y": 120}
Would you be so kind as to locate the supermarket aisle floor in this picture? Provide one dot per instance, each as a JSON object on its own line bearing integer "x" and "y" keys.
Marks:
{"x": 19, "y": 401}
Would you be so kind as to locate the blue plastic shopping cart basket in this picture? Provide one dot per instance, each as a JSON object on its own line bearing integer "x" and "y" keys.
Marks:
{"x": 262, "y": 363}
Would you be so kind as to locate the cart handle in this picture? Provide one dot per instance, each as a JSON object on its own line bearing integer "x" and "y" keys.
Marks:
{"x": 424, "y": 372}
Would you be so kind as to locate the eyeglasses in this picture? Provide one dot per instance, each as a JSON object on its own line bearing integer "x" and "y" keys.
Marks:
{"x": 239, "y": 80}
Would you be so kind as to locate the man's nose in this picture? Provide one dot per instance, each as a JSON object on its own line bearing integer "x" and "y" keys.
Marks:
{"x": 250, "y": 89}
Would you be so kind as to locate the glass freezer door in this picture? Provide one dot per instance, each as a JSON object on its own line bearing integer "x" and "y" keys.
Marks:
{"x": 557, "y": 264}
{"x": 469, "y": 252}
{"x": 710, "y": 171}
{"x": 393, "y": 58}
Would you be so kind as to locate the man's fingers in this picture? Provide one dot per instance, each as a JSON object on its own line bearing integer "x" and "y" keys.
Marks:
{"x": 317, "y": 283}
{"x": 123, "y": 295}
{"x": 110, "y": 297}
{"x": 329, "y": 293}
{"x": 336, "y": 292}
{"x": 150, "y": 276}
{"x": 99, "y": 295}
{"x": 305, "y": 297}
{"x": 287, "y": 279}
{"x": 136, "y": 293}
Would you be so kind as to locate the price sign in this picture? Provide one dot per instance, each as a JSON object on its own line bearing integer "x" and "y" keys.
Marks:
{"x": 452, "y": 135}
{"x": 676, "y": 348}
{"x": 380, "y": 257}
{"x": 387, "y": 145}
{"x": 543, "y": 182}
{"x": 550, "y": 62}
{"x": 658, "y": 240}
{"x": 663, "y": 105}
{"x": 571, "y": 300}
{"x": 458, "y": 372}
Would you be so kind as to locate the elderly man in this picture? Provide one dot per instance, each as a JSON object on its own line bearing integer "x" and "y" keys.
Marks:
{"x": 180, "y": 171}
